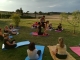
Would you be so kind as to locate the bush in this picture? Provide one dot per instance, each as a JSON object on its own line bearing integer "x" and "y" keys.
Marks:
{"x": 16, "y": 19}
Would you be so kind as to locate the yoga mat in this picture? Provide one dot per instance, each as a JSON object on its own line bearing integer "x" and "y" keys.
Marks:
{"x": 76, "y": 50}
{"x": 57, "y": 31}
{"x": 10, "y": 37}
{"x": 52, "y": 48}
{"x": 18, "y": 44}
{"x": 38, "y": 47}
{"x": 36, "y": 34}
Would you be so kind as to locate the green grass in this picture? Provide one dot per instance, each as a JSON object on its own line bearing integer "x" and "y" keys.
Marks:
{"x": 25, "y": 30}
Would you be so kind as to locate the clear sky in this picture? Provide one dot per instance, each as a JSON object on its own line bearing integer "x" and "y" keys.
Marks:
{"x": 40, "y": 5}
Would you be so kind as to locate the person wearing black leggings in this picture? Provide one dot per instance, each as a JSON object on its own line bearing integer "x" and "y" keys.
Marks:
{"x": 9, "y": 43}
{"x": 39, "y": 29}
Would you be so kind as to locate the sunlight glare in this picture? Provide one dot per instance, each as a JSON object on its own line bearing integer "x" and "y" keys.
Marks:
{"x": 2, "y": 1}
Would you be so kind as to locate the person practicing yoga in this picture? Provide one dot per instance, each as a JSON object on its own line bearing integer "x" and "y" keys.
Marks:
{"x": 50, "y": 27}
{"x": 7, "y": 30}
{"x": 39, "y": 29}
{"x": 42, "y": 20}
{"x": 32, "y": 52}
{"x": 60, "y": 51}
{"x": 11, "y": 27}
{"x": 46, "y": 27}
{"x": 35, "y": 25}
{"x": 8, "y": 42}
{"x": 59, "y": 28}
{"x": 1, "y": 35}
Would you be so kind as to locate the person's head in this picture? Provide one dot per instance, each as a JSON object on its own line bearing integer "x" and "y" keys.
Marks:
{"x": 36, "y": 23}
{"x": 11, "y": 24}
{"x": 39, "y": 23}
{"x": 6, "y": 35}
{"x": 60, "y": 24}
{"x": 61, "y": 42}
{"x": 6, "y": 27}
{"x": 47, "y": 22}
{"x": 31, "y": 46}
{"x": 43, "y": 16}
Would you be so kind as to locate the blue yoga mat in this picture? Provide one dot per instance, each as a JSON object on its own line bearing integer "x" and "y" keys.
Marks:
{"x": 10, "y": 36}
{"x": 18, "y": 44}
{"x": 22, "y": 43}
{"x": 39, "y": 48}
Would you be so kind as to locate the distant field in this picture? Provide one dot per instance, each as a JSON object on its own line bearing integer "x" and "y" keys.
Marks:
{"x": 54, "y": 17}
{"x": 25, "y": 30}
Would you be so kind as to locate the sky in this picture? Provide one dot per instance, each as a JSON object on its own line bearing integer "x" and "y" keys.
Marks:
{"x": 40, "y": 5}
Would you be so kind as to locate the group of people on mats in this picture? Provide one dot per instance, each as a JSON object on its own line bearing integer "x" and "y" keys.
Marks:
{"x": 5, "y": 37}
{"x": 46, "y": 26}
{"x": 60, "y": 51}
{"x": 33, "y": 53}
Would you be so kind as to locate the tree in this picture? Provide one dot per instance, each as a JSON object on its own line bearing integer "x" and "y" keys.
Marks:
{"x": 35, "y": 13}
{"x": 75, "y": 19}
{"x": 19, "y": 11}
{"x": 27, "y": 13}
{"x": 48, "y": 13}
{"x": 63, "y": 16}
{"x": 16, "y": 19}
{"x": 40, "y": 12}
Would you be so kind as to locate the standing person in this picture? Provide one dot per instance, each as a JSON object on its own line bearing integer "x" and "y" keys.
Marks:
{"x": 33, "y": 53}
{"x": 8, "y": 43}
{"x": 60, "y": 51}
{"x": 42, "y": 20}
{"x": 39, "y": 29}
{"x": 1, "y": 35}
{"x": 46, "y": 27}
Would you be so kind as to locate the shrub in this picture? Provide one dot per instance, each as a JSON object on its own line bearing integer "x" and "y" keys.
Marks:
{"x": 16, "y": 19}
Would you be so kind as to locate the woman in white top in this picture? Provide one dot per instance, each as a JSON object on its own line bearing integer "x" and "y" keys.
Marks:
{"x": 60, "y": 49}
{"x": 33, "y": 53}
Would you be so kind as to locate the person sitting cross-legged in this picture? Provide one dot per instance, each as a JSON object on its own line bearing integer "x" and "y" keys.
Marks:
{"x": 7, "y": 30}
{"x": 32, "y": 52}
{"x": 8, "y": 42}
{"x": 59, "y": 28}
{"x": 50, "y": 27}
{"x": 60, "y": 51}
{"x": 11, "y": 27}
{"x": 35, "y": 25}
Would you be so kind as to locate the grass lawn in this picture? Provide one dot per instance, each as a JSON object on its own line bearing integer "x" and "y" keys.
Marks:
{"x": 25, "y": 30}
